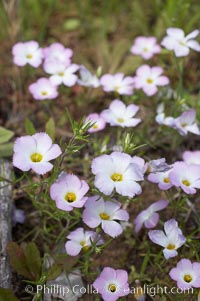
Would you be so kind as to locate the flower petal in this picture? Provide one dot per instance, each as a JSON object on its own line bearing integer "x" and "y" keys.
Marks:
{"x": 112, "y": 228}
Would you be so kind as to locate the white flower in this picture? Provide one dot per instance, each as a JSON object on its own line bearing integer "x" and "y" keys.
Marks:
{"x": 81, "y": 240}
{"x": 87, "y": 79}
{"x": 58, "y": 53}
{"x": 171, "y": 240}
{"x": 118, "y": 83}
{"x": 117, "y": 171}
{"x": 179, "y": 43}
{"x": 105, "y": 213}
{"x": 149, "y": 78}
{"x": 60, "y": 73}
{"x": 27, "y": 53}
{"x": 146, "y": 47}
{"x": 97, "y": 120}
{"x": 161, "y": 178}
{"x": 43, "y": 89}
{"x": 186, "y": 122}
{"x": 119, "y": 114}
{"x": 161, "y": 117}
{"x": 35, "y": 152}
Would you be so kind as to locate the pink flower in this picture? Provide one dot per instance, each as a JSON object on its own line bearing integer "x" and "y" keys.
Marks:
{"x": 171, "y": 239}
{"x": 112, "y": 284}
{"x": 118, "y": 83}
{"x": 149, "y": 217}
{"x": 158, "y": 165}
{"x": 27, "y": 53}
{"x": 187, "y": 274}
{"x": 99, "y": 122}
{"x": 186, "y": 122}
{"x": 69, "y": 192}
{"x": 87, "y": 79}
{"x": 61, "y": 74}
{"x": 146, "y": 47}
{"x": 148, "y": 78}
{"x": 161, "y": 178}
{"x": 185, "y": 176}
{"x": 81, "y": 240}
{"x": 140, "y": 164}
{"x": 162, "y": 119}
{"x": 105, "y": 213}
{"x": 192, "y": 157}
{"x": 179, "y": 43}
{"x": 35, "y": 152}
{"x": 43, "y": 89}
{"x": 58, "y": 53}
{"x": 119, "y": 114}
{"x": 117, "y": 171}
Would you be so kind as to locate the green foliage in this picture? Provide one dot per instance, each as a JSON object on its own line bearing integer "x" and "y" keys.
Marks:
{"x": 33, "y": 260}
{"x": 18, "y": 260}
{"x": 128, "y": 144}
{"x": 7, "y": 295}
{"x": 29, "y": 127}
{"x": 35, "y": 16}
{"x": 54, "y": 271}
{"x": 5, "y": 135}
{"x": 102, "y": 33}
{"x": 50, "y": 128}
{"x": 6, "y": 148}
{"x": 28, "y": 263}
{"x": 71, "y": 24}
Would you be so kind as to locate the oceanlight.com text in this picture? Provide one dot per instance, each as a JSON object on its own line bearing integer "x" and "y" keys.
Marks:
{"x": 56, "y": 289}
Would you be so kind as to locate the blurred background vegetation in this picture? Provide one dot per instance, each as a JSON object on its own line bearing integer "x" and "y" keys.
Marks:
{"x": 88, "y": 25}
{"x": 100, "y": 32}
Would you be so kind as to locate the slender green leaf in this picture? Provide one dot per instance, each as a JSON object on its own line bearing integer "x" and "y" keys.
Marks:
{"x": 6, "y": 149}
{"x": 50, "y": 128}
{"x": 18, "y": 260}
{"x": 54, "y": 271}
{"x": 5, "y": 135}
{"x": 33, "y": 260}
{"x": 29, "y": 127}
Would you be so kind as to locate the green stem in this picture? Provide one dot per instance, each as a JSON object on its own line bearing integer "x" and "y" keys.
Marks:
{"x": 180, "y": 69}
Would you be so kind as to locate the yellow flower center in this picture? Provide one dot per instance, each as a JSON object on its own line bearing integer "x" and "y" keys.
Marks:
{"x": 149, "y": 81}
{"x": 171, "y": 247}
{"x": 84, "y": 247}
{"x": 117, "y": 177}
{"x": 29, "y": 56}
{"x": 104, "y": 216}
{"x": 82, "y": 243}
{"x": 61, "y": 73}
{"x": 184, "y": 125}
{"x": 44, "y": 93}
{"x": 120, "y": 120}
{"x": 70, "y": 197}
{"x": 166, "y": 180}
{"x": 116, "y": 88}
{"x": 95, "y": 126}
{"x": 187, "y": 278}
{"x": 145, "y": 49}
{"x": 112, "y": 288}
{"x": 182, "y": 43}
{"x": 186, "y": 182}
{"x": 36, "y": 157}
